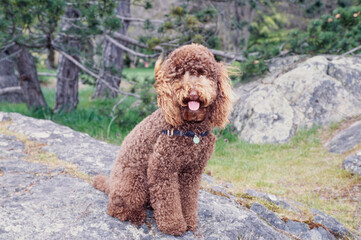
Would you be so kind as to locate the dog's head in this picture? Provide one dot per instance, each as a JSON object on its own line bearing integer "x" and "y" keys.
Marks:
{"x": 192, "y": 86}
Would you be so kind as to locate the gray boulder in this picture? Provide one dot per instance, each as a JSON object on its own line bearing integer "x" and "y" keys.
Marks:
{"x": 317, "y": 91}
{"x": 346, "y": 139}
{"x": 352, "y": 163}
{"x": 329, "y": 227}
{"x": 46, "y": 193}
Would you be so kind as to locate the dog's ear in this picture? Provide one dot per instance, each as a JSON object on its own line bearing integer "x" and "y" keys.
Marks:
{"x": 165, "y": 95}
{"x": 158, "y": 63}
{"x": 223, "y": 102}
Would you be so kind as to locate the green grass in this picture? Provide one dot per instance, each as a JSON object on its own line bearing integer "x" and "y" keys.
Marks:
{"x": 45, "y": 80}
{"x": 301, "y": 170}
{"x": 139, "y": 73}
{"x": 91, "y": 116}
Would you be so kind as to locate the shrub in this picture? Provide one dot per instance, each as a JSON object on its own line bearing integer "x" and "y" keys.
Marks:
{"x": 331, "y": 34}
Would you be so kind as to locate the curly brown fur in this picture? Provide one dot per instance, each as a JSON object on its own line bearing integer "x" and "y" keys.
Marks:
{"x": 193, "y": 94}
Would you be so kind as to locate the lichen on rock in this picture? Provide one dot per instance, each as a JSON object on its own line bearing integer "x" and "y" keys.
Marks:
{"x": 317, "y": 91}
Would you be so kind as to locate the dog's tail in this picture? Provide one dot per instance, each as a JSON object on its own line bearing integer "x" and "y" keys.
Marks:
{"x": 101, "y": 183}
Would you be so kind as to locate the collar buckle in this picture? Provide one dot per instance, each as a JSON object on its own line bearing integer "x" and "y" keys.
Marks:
{"x": 188, "y": 133}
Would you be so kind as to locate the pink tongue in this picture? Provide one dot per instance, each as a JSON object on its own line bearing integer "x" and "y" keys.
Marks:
{"x": 193, "y": 105}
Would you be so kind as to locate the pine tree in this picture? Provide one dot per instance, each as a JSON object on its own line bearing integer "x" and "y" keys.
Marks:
{"x": 36, "y": 25}
{"x": 112, "y": 59}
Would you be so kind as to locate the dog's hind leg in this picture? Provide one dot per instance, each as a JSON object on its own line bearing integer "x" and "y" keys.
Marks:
{"x": 128, "y": 196}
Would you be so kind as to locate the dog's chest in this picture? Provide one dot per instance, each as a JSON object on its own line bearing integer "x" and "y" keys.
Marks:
{"x": 188, "y": 151}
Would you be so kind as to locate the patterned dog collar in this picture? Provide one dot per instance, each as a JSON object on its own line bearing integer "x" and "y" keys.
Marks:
{"x": 187, "y": 133}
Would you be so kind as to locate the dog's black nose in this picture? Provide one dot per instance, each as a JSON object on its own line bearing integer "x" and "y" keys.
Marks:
{"x": 193, "y": 95}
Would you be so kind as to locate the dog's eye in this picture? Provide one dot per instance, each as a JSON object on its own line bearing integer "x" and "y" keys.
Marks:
{"x": 202, "y": 71}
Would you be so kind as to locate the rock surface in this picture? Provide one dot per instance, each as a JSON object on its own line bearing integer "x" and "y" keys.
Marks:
{"x": 44, "y": 196}
{"x": 300, "y": 229}
{"x": 352, "y": 163}
{"x": 316, "y": 91}
{"x": 346, "y": 139}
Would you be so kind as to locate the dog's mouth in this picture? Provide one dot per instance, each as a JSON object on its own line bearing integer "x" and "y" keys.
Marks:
{"x": 192, "y": 101}
{"x": 193, "y": 110}
{"x": 192, "y": 105}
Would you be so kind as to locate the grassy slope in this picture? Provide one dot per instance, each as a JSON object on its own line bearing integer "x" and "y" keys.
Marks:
{"x": 301, "y": 170}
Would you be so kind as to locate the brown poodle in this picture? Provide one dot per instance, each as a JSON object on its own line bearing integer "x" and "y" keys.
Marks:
{"x": 162, "y": 159}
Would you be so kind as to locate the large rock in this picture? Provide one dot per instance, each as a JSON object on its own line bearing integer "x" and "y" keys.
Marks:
{"x": 346, "y": 139}
{"x": 327, "y": 224}
{"x": 352, "y": 163}
{"x": 318, "y": 91}
{"x": 45, "y": 193}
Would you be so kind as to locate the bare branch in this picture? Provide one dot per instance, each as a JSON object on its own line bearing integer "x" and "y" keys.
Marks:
{"x": 82, "y": 67}
{"x": 71, "y": 19}
{"x": 351, "y": 51}
{"x": 47, "y": 74}
{"x": 112, "y": 114}
{"x": 228, "y": 55}
{"x": 31, "y": 45}
{"x": 130, "y": 19}
{"x": 119, "y": 91}
{"x": 72, "y": 36}
{"x": 6, "y": 46}
{"x": 10, "y": 56}
{"x": 78, "y": 64}
{"x": 119, "y": 45}
{"x": 10, "y": 90}
{"x": 133, "y": 41}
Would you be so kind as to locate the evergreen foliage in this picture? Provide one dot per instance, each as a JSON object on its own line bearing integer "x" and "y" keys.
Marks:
{"x": 334, "y": 33}
{"x": 184, "y": 25}
{"x": 36, "y": 24}
{"x": 331, "y": 34}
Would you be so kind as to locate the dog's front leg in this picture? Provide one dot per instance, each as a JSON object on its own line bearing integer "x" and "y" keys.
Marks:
{"x": 164, "y": 189}
{"x": 190, "y": 180}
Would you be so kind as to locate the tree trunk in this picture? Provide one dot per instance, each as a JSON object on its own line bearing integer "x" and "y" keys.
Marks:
{"x": 234, "y": 20}
{"x": 51, "y": 60}
{"x": 112, "y": 59}
{"x": 66, "y": 98}
{"x": 29, "y": 81}
{"x": 8, "y": 79}
{"x": 245, "y": 12}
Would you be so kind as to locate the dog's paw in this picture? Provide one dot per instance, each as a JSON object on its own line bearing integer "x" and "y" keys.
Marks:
{"x": 173, "y": 227}
{"x": 192, "y": 227}
{"x": 117, "y": 212}
{"x": 192, "y": 223}
{"x": 138, "y": 217}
